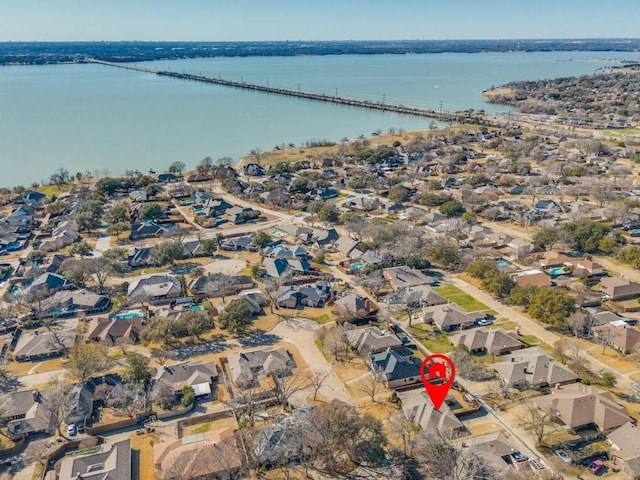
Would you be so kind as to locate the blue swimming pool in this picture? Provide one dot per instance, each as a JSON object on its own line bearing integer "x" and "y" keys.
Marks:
{"x": 502, "y": 263}
{"x": 129, "y": 314}
{"x": 558, "y": 271}
{"x": 357, "y": 266}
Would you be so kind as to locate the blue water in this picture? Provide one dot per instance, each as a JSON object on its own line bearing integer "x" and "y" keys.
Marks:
{"x": 557, "y": 271}
{"x": 129, "y": 314}
{"x": 502, "y": 263}
{"x": 357, "y": 266}
{"x": 106, "y": 120}
{"x": 276, "y": 234}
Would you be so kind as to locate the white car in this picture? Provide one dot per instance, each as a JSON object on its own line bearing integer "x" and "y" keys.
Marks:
{"x": 563, "y": 455}
{"x": 72, "y": 430}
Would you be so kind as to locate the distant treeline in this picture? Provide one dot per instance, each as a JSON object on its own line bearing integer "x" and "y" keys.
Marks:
{"x": 60, "y": 52}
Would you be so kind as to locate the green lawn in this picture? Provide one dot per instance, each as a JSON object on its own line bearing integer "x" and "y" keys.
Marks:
{"x": 466, "y": 301}
{"x": 438, "y": 345}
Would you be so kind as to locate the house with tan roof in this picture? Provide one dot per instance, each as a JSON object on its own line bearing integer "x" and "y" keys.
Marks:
{"x": 200, "y": 376}
{"x": 246, "y": 368}
{"x": 481, "y": 340}
{"x": 589, "y": 268}
{"x": 581, "y": 406}
{"x": 405, "y": 277}
{"x": 371, "y": 340}
{"x": 532, "y": 278}
{"x": 497, "y": 452}
{"x": 619, "y": 289}
{"x": 417, "y": 406}
{"x": 37, "y": 346}
{"x": 451, "y": 317}
{"x": 618, "y": 334}
{"x": 625, "y": 448}
{"x": 552, "y": 259}
{"x": 205, "y": 455}
{"x": 533, "y": 368}
{"x": 116, "y": 331}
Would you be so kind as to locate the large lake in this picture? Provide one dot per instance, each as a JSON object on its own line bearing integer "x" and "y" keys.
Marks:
{"x": 97, "y": 118}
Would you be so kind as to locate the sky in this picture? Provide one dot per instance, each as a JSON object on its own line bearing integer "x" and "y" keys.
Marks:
{"x": 238, "y": 20}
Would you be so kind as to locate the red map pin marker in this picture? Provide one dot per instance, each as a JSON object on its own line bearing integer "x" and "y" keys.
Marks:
{"x": 438, "y": 377}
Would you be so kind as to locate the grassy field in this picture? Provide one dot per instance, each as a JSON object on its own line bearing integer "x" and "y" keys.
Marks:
{"x": 466, "y": 301}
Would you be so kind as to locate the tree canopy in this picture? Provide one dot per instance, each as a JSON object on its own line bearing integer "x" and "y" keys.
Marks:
{"x": 236, "y": 317}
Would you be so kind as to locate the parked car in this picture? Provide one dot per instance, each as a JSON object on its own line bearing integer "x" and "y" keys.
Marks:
{"x": 535, "y": 464}
{"x": 71, "y": 430}
{"x": 595, "y": 466}
{"x": 518, "y": 457}
{"x": 563, "y": 455}
{"x": 483, "y": 322}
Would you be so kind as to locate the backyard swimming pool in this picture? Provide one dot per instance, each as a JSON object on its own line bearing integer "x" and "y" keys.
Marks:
{"x": 558, "y": 271}
{"x": 129, "y": 314}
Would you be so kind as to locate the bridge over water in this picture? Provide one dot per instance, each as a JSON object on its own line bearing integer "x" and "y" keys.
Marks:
{"x": 443, "y": 116}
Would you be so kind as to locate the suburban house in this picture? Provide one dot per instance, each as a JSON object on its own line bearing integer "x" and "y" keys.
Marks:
{"x": 547, "y": 206}
{"x": 617, "y": 334}
{"x": 346, "y": 245}
{"x": 498, "y": 452}
{"x": 49, "y": 283}
{"x": 70, "y": 303}
{"x": 109, "y": 460}
{"x": 450, "y": 317}
{"x": 625, "y": 448}
{"x": 417, "y": 406}
{"x": 583, "y": 406}
{"x": 280, "y": 443}
{"x": 200, "y": 376}
{"x": 363, "y": 204}
{"x": 354, "y": 306}
{"x": 588, "y": 267}
{"x": 26, "y": 413}
{"x": 371, "y": 340}
{"x": 398, "y": 371}
{"x": 237, "y": 244}
{"x": 619, "y": 289}
{"x": 155, "y": 289}
{"x": 279, "y": 267}
{"x": 141, "y": 230}
{"x": 220, "y": 285}
{"x": 65, "y": 234}
{"x": 253, "y": 170}
{"x": 405, "y": 277}
{"x": 116, "y": 331}
{"x": 323, "y": 238}
{"x": 246, "y": 368}
{"x": 79, "y": 404}
{"x": 212, "y": 454}
{"x": 533, "y": 368}
{"x": 519, "y": 248}
{"x": 36, "y": 346}
{"x": 532, "y": 278}
{"x": 551, "y": 259}
{"x": 482, "y": 341}
{"x": 300, "y": 296}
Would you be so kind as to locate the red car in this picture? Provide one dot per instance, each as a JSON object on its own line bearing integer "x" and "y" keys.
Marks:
{"x": 595, "y": 466}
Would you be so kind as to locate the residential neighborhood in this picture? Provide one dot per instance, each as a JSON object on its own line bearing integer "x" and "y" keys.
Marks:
{"x": 208, "y": 325}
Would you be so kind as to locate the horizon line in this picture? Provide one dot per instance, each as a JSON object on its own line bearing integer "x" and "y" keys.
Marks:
{"x": 514, "y": 39}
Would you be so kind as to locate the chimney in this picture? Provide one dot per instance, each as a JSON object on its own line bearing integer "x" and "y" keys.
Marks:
{"x": 36, "y": 395}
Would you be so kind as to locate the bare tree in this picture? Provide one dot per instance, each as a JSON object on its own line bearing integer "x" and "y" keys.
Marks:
{"x": 538, "y": 422}
{"x": 286, "y": 385}
{"x": 373, "y": 384}
{"x": 129, "y": 399}
{"x": 442, "y": 458}
{"x": 317, "y": 379}
{"x": 605, "y": 337}
{"x": 375, "y": 282}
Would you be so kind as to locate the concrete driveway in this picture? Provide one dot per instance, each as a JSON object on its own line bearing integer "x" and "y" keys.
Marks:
{"x": 301, "y": 332}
